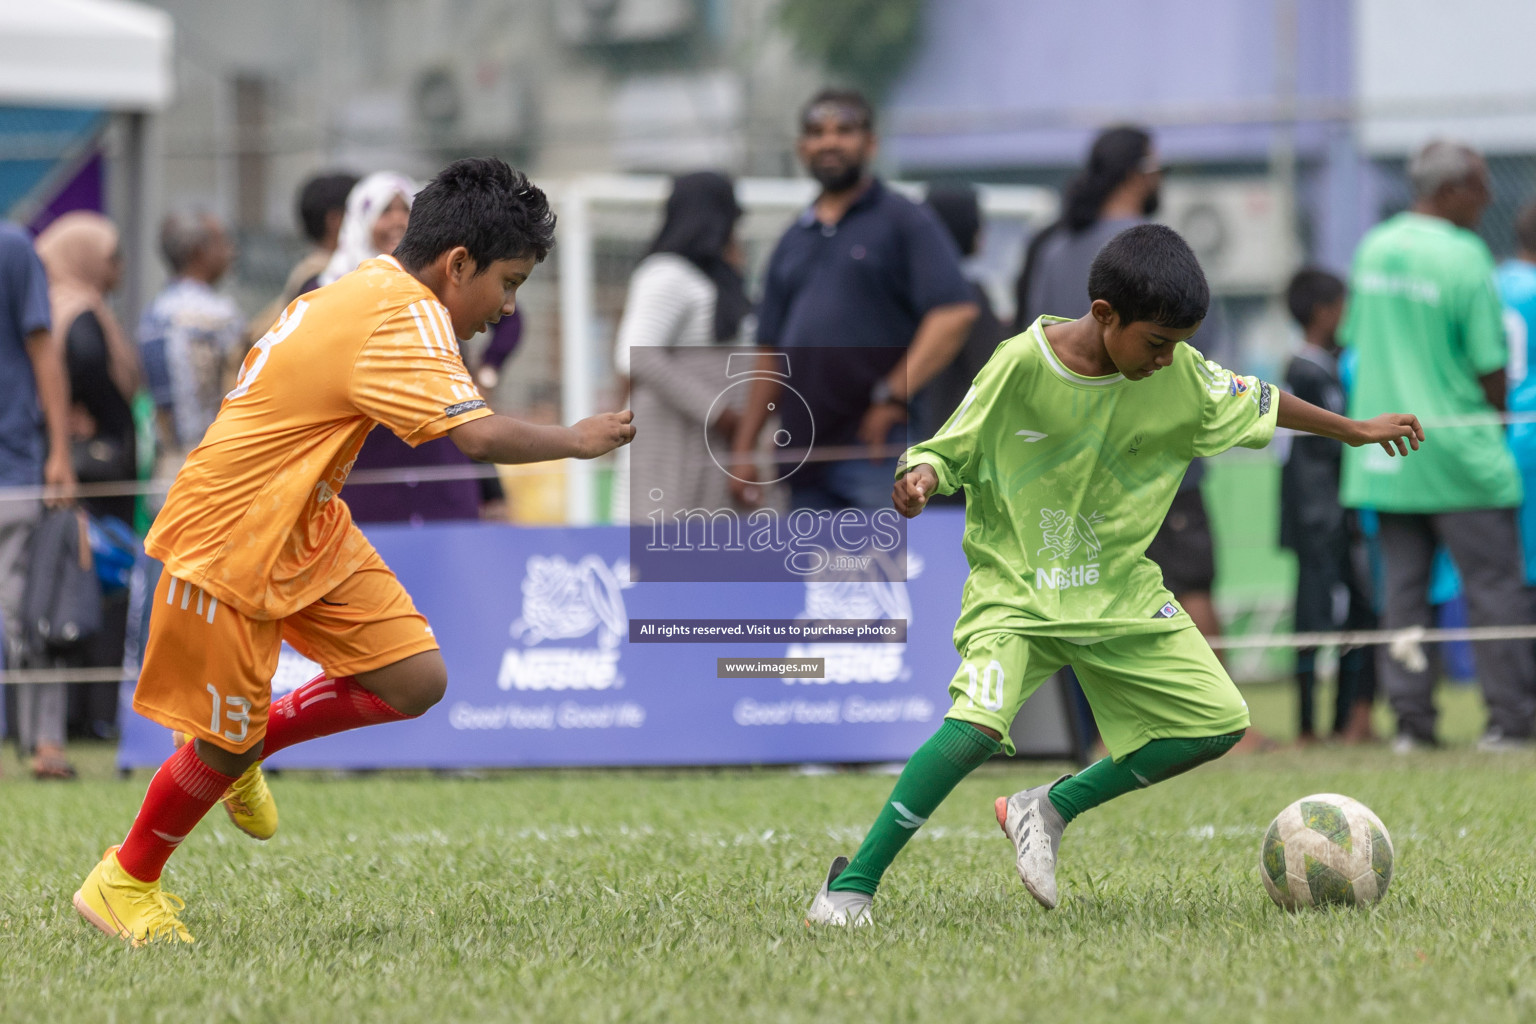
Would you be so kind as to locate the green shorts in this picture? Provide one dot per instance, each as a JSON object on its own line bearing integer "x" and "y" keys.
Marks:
{"x": 1151, "y": 686}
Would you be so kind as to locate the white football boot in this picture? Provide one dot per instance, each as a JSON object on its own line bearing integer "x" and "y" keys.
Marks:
{"x": 1034, "y": 826}
{"x": 845, "y": 909}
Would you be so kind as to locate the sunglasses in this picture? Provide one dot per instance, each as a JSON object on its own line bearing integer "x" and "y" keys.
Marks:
{"x": 842, "y": 117}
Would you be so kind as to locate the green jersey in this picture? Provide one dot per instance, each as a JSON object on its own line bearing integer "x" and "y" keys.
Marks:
{"x": 1425, "y": 323}
{"x": 1067, "y": 479}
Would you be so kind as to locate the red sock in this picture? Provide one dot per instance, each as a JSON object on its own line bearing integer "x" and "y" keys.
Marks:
{"x": 323, "y": 706}
{"x": 179, "y": 795}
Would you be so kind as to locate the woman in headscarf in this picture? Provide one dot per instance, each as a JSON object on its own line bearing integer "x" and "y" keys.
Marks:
{"x": 378, "y": 211}
{"x": 80, "y": 253}
{"x": 686, "y": 296}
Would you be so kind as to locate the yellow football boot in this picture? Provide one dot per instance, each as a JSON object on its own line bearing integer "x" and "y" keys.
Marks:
{"x": 124, "y": 907}
{"x": 247, "y": 800}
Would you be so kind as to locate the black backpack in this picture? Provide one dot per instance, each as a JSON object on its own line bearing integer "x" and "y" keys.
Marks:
{"x": 61, "y": 605}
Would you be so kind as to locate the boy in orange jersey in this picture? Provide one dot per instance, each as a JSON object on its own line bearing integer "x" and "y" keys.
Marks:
{"x": 258, "y": 547}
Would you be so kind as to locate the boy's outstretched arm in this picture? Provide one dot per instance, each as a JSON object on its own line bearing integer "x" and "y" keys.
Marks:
{"x": 913, "y": 488}
{"x": 506, "y": 440}
{"x": 1394, "y": 431}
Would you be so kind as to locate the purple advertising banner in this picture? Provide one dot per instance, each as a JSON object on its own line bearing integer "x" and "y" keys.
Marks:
{"x": 536, "y": 627}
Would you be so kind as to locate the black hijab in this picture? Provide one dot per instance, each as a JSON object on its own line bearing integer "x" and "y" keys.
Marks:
{"x": 1115, "y": 155}
{"x": 701, "y": 213}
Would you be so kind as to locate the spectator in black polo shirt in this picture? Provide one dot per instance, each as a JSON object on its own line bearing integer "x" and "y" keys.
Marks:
{"x": 865, "y": 296}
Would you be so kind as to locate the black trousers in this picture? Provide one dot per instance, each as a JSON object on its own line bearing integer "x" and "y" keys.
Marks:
{"x": 1333, "y": 592}
{"x": 1485, "y": 544}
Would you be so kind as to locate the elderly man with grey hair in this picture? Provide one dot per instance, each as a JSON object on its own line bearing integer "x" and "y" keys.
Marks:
{"x": 190, "y": 335}
{"x": 1426, "y": 324}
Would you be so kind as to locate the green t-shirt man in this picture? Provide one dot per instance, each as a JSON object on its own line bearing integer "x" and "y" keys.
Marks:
{"x": 1068, "y": 479}
{"x": 1425, "y": 321}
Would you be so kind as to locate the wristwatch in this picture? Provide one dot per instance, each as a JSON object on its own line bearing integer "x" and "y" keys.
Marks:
{"x": 881, "y": 394}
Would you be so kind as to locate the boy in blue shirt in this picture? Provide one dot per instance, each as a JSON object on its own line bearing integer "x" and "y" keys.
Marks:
{"x": 1517, "y": 287}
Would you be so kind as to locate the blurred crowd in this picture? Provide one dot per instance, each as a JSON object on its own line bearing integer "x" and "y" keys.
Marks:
{"x": 104, "y": 418}
{"x": 876, "y": 299}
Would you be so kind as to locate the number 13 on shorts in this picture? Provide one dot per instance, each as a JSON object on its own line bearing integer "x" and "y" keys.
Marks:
{"x": 234, "y": 710}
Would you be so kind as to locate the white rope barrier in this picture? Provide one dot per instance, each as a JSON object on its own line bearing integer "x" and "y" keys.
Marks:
{"x": 437, "y": 474}
{"x": 484, "y": 471}
{"x": 20, "y": 676}
{"x": 1405, "y": 646}
{"x": 361, "y": 477}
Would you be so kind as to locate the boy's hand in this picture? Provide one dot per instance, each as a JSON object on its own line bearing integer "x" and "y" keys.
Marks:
{"x": 912, "y": 490}
{"x": 1396, "y": 432}
{"x": 601, "y": 434}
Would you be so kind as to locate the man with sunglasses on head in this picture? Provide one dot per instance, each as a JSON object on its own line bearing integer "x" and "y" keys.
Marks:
{"x": 864, "y": 292}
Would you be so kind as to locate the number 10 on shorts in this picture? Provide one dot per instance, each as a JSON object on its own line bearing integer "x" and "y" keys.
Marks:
{"x": 237, "y": 710}
{"x": 985, "y": 689}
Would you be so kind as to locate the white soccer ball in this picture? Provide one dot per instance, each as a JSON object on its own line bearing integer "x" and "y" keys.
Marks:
{"x": 1326, "y": 848}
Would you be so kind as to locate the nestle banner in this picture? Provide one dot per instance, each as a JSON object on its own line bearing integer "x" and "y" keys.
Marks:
{"x": 536, "y": 627}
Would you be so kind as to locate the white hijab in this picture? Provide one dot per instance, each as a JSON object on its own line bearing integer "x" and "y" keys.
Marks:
{"x": 366, "y": 201}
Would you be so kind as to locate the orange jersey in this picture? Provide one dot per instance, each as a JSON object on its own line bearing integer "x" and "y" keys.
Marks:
{"x": 253, "y": 517}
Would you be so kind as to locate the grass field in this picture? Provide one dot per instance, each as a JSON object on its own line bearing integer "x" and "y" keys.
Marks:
{"x": 676, "y": 896}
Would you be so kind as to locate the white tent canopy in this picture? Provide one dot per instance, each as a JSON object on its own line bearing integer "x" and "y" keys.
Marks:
{"x": 85, "y": 53}
{"x": 111, "y": 55}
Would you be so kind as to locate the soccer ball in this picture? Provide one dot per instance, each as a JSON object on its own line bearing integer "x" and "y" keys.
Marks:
{"x": 1326, "y": 848}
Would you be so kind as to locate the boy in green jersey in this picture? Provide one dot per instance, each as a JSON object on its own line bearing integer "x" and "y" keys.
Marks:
{"x": 1070, "y": 446}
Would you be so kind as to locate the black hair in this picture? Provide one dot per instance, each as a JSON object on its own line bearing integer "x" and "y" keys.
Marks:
{"x": 851, "y": 98}
{"x": 1309, "y": 288}
{"x": 701, "y": 213}
{"x": 485, "y": 206}
{"x": 1116, "y": 154}
{"x": 959, "y": 210}
{"x": 1148, "y": 273}
{"x": 319, "y": 196}
{"x": 1525, "y": 227}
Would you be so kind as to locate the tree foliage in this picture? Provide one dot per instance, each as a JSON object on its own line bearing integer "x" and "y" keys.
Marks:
{"x": 869, "y": 42}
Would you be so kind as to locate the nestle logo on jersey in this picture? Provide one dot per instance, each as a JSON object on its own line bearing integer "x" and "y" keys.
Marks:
{"x": 463, "y": 407}
{"x": 1064, "y": 579}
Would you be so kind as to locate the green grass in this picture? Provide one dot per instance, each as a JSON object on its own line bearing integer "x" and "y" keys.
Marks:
{"x": 676, "y": 896}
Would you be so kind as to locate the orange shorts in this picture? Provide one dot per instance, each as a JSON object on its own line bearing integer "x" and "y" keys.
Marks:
{"x": 208, "y": 669}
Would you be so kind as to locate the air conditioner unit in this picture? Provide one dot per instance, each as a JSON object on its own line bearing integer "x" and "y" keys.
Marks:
{"x": 471, "y": 102}
{"x": 605, "y": 22}
{"x": 1238, "y": 229}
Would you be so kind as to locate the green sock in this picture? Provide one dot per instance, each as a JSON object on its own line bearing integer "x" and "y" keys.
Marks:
{"x": 1155, "y": 762}
{"x": 950, "y": 755}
